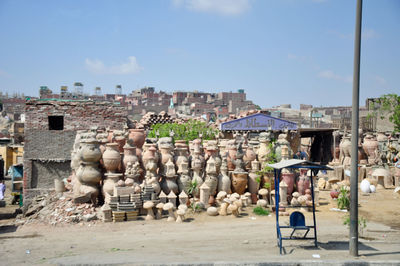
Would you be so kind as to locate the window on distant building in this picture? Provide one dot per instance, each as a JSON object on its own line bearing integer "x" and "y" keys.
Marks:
{"x": 56, "y": 122}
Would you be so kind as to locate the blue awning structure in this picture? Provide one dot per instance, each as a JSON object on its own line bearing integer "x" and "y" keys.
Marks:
{"x": 260, "y": 122}
{"x": 295, "y": 164}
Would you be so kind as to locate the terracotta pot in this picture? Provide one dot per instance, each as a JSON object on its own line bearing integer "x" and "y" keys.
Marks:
{"x": 111, "y": 157}
{"x": 129, "y": 156}
{"x": 90, "y": 174}
{"x": 138, "y": 137}
{"x": 334, "y": 194}
{"x": 303, "y": 183}
{"x": 212, "y": 183}
{"x": 370, "y": 145}
{"x": 239, "y": 182}
{"x": 249, "y": 156}
{"x": 150, "y": 152}
{"x": 165, "y": 157}
{"x": 182, "y": 154}
{"x": 254, "y": 186}
{"x": 231, "y": 158}
{"x": 264, "y": 151}
{"x": 288, "y": 177}
{"x": 110, "y": 136}
{"x": 109, "y": 183}
{"x": 90, "y": 151}
{"x": 121, "y": 143}
{"x": 224, "y": 182}
{"x": 345, "y": 146}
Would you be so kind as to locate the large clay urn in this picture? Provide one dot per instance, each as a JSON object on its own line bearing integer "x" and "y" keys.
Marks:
{"x": 211, "y": 176}
{"x": 150, "y": 153}
{"x": 138, "y": 137}
{"x": 239, "y": 182}
{"x": 254, "y": 180}
{"x": 129, "y": 155}
{"x": 168, "y": 183}
{"x": 232, "y": 150}
{"x": 90, "y": 151}
{"x": 288, "y": 177}
{"x": 370, "y": 145}
{"x": 89, "y": 174}
{"x": 303, "y": 182}
{"x": 224, "y": 182}
{"x": 248, "y": 157}
{"x": 111, "y": 157}
{"x": 345, "y": 147}
{"x": 181, "y": 153}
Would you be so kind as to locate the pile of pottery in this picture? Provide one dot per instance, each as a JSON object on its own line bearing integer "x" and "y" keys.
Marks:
{"x": 378, "y": 154}
{"x": 151, "y": 118}
{"x": 121, "y": 166}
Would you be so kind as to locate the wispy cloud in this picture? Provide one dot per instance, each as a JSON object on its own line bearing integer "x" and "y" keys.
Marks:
{"x": 329, "y": 74}
{"x": 96, "y": 66}
{"x": 221, "y": 7}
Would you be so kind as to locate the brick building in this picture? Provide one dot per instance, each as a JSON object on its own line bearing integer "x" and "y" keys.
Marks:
{"x": 50, "y": 129}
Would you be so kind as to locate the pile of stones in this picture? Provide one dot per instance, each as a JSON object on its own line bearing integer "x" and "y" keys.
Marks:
{"x": 55, "y": 210}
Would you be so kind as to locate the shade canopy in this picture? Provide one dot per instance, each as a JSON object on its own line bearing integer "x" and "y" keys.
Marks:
{"x": 258, "y": 122}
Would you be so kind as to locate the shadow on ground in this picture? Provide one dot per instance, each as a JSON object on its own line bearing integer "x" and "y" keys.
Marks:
{"x": 343, "y": 245}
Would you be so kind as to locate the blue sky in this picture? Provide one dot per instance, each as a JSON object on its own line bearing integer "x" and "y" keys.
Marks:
{"x": 287, "y": 51}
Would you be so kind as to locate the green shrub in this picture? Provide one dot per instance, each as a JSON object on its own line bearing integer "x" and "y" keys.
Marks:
{"x": 343, "y": 200}
{"x": 362, "y": 223}
{"x": 260, "y": 211}
{"x": 187, "y": 131}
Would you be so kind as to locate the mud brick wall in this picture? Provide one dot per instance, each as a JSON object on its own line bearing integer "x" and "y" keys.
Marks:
{"x": 47, "y": 153}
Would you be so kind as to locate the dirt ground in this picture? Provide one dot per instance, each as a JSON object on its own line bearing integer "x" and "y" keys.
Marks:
{"x": 203, "y": 239}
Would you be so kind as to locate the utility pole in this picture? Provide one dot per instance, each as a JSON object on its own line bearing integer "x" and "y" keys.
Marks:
{"x": 353, "y": 245}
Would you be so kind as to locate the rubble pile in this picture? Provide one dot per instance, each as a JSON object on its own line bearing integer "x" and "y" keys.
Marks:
{"x": 54, "y": 210}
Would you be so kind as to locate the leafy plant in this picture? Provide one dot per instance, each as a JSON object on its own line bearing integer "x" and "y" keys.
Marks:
{"x": 260, "y": 211}
{"x": 343, "y": 200}
{"x": 362, "y": 223}
{"x": 191, "y": 130}
{"x": 195, "y": 207}
{"x": 267, "y": 185}
{"x": 192, "y": 187}
{"x": 387, "y": 105}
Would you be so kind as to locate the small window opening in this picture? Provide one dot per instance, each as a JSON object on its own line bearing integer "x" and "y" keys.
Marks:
{"x": 56, "y": 122}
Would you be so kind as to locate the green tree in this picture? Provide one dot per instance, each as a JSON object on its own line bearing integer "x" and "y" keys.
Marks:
{"x": 388, "y": 105}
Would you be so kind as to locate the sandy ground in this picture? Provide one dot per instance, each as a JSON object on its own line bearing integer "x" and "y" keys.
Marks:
{"x": 203, "y": 239}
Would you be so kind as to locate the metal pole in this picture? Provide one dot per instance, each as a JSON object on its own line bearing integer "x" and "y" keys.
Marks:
{"x": 353, "y": 245}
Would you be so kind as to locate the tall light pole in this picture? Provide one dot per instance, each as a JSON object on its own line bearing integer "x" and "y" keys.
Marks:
{"x": 353, "y": 245}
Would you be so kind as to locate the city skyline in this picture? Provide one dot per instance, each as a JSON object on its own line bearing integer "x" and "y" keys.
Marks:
{"x": 271, "y": 49}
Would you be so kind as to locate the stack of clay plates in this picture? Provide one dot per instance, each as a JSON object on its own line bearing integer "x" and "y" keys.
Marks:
{"x": 137, "y": 199}
{"x": 131, "y": 215}
{"x": 124, "y": 198}
{"x": 114, "y": 203}
{"x": 126, "y": 206}
{"x": 118, "y": 216}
